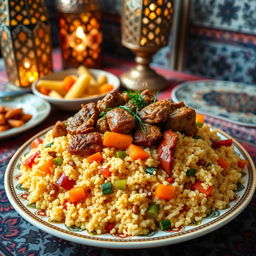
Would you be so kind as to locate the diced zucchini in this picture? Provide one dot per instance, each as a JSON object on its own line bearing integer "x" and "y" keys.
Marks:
{"x": 106, "y": 188}
{"x": 165, "y": 224}
{"x": 150, "y": 170}
{"x": 153, "y": 210}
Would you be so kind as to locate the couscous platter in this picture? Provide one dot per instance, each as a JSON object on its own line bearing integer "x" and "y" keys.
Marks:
{"x": 130, "y": 175}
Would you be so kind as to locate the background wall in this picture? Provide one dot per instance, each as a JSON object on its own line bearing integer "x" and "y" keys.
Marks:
{"x": 220, "y": 43}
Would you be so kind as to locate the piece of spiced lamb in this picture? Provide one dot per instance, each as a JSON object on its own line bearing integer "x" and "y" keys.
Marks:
{"x": 85, "y": 144}
{"x": 182, "y": 120}
{"x": 84, "y": 120}
{"x": 148, "y": 136}
{"x": 158, "y": 112}
{"x": 120, "y": 120}
{"x": 111, "y": 100}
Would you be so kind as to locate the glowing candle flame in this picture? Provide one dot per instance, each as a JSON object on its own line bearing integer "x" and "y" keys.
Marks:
{"x": 27, "y": 64}
{"x": 80, "y": 32}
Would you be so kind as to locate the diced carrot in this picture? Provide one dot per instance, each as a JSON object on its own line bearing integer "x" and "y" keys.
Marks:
{"x": 242, "y": 163}
{"x": 199, "y": 118}
{"x": 197, "y": 185}
{"x": 165, "y": 192}
{"x": 36, "y": 142}
{"x": 136, "y": 152}
{"x": 47, "y": 166}
{"x": 116, "y": 140}
{"x": 77, "y": 194}
{"x": 105, "y": 172}
{"x": 223, "y": 163}
{"x": 44, "y": 90}
{"x": 95, "y": 157}
{"x": 105, "y": 88}
{"x": 170, "y": 179}
{"x": 68, "y": 82}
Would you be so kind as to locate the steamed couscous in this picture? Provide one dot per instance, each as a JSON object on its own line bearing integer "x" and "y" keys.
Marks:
{"x": 129, "y": 164}
{"x": 120, "y": 194}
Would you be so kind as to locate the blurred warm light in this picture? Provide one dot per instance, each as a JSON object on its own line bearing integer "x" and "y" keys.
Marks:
{"x": 80, "y": 32}
{"x": 152, "y": 7}
{"x": 27, "y": 64}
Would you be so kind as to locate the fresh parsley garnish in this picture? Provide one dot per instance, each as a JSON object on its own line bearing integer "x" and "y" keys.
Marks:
{"x": 104, "y": 113}
{"x": 137, "y": 99}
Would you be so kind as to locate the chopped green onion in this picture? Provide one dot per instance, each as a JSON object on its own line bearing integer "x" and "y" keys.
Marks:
{"x": 58, "y": 160}
{"x": 120, "y": 184}
{"x": 106, "y": 188}
{"x": 49, "y": 145}
{"x": 153, "y": 210}
{"x": 197, "y": 137}
{"x": 150, "y": 170}
{"x": 199, "y": 124}
{"x": 191, "y": 172}
{"x": 165, "y": 224}
{"x": 120, "y": 154}
{"x": 208, "y": 165}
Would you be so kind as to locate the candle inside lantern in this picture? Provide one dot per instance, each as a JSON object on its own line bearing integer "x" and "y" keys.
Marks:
{"x": 78, "y": 40}
{"x": 28, "y": 73}
{"x": 80, "y": 33}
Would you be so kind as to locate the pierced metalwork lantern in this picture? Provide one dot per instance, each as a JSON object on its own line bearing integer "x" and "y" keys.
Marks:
{"x": 80, "y": 32}
{"x": 25, "y": 40}
{"x": 145, "y": 29}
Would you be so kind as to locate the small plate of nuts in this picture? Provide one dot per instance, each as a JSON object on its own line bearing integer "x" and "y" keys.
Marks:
{"x": 18, "y": 114}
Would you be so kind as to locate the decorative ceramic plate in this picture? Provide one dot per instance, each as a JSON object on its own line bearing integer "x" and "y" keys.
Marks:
{"x": 18, "y": 198}
{"x": 235, "y": 102}
{"x": 31, "y": 104}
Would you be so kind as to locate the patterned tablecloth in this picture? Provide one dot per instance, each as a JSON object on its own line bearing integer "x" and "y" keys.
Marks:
{"x": 18, "y": 237}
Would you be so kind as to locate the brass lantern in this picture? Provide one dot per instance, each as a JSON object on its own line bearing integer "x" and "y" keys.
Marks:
{"x": 25, "y": 40}
{"x": 80, "y": 32}
{"x": 145, "y": 29}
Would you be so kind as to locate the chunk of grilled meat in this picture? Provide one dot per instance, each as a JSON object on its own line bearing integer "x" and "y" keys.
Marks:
{"x": 120, "y": 120}
{"x": 84, "y": 120}
{"x": 102, "y": 125}
{"x": 147, "y": 137}
{"x": 159, "y": 111}
{"x": 59, "y": 129}
{"x": 148, "y": 96}
{"x": 183, "y": 120}
{"x": 111, "y": 100}
{"x": 85, "y": 144}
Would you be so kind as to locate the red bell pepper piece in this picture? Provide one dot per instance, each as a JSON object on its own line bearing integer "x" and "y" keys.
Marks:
{"x": 170, "y": 180}
{"x": 198, "y": 186}
{"x": 31, "y": 160}
{"x": 65, "y": 182}
{"x": 105, "y": 172}
{"x": 222, "y": 162}
{"x": 226, "y": 143}
{"x": 242, "y": 163}
{"x": 109, "y": 227}
{"x": 36, "y": 142}
{"x": 166, "y": 150}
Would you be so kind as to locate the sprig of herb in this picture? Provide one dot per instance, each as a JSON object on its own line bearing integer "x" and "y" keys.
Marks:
{"x": 104, "y": 113}
{"x": 155, "y": 96}
{"x": 137, "y": 99}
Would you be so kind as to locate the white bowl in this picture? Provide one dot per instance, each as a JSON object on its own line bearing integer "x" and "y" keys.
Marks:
{"x": 74, "y": 104}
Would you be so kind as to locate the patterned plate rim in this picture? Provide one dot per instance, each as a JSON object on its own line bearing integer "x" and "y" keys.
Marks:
{"x": 126, "y": 243}
{"x": 185, "y": 84}
{"x": 33, "y": 123}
